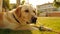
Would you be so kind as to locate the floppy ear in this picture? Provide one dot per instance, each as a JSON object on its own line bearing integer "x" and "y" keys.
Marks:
{"x": 18, "y": 11}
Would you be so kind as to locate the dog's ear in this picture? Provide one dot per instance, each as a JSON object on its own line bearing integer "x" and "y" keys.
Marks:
{"x": 18, "y": 11}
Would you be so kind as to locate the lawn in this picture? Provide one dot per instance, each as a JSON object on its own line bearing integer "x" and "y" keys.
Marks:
{"x": 51, "y": 22}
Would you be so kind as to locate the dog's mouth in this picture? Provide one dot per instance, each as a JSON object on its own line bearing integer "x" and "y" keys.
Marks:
{"x": 33, "y": 20}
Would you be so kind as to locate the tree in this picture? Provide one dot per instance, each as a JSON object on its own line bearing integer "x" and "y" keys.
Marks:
{"x": 18, "y": 2}
{"x": 5, "y": 5}
{"x": 23, "y": 1}
{"x": 56, "y": 3}
{"x": 1, "y": 5}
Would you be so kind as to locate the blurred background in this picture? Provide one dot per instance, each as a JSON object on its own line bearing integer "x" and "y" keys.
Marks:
{"x": 45, "y": 8}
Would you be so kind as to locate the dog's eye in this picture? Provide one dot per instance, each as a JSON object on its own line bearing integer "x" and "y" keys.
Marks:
{"x": 26, "y": 10}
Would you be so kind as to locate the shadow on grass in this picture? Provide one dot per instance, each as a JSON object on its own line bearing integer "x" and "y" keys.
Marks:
{"x": 8, "y": 31}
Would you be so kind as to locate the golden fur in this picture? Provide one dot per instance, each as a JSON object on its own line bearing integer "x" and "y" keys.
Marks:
{"x": 8, "y": 21}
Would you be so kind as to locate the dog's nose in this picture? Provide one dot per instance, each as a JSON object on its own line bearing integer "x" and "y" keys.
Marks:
{"x": 33, "y": 20}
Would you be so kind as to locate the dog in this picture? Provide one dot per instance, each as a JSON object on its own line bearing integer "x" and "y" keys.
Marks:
{"x": 19, "y": 18}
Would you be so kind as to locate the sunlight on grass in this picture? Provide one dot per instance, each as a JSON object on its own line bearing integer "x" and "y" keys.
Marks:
{"x": 35, "y": 32}
{"x": 51, "y": 22}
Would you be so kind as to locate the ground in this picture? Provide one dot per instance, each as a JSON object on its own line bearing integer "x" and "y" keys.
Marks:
{"x": 51, "y": 22}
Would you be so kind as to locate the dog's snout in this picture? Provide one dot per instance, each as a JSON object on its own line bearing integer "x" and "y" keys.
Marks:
{"x": 33, "y": 19}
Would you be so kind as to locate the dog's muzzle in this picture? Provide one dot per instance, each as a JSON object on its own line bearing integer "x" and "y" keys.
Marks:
{"x": 33, "y": 20}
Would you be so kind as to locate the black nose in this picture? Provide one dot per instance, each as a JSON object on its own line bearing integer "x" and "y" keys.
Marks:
{"x": 33, "y": 20}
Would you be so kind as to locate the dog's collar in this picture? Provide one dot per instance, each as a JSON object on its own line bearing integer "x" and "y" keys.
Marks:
{"x": 15, "y": 18}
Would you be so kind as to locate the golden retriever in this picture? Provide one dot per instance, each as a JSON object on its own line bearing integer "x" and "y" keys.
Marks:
{"x": 19, "y": 18}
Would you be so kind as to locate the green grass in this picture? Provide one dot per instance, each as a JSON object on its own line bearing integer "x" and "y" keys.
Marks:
{"x": 8, "y": 31}
{"x": 51, "y": 22}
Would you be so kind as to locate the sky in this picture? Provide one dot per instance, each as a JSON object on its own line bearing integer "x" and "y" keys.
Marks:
{"x": 35, "y": 2}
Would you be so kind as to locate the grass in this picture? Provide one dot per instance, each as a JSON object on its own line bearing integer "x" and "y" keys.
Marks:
{"x": 8, "y": 31}
{"x": 51, "y": 22}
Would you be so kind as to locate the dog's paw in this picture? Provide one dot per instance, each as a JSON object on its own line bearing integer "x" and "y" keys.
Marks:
{"x": 33, "y": 28}
{"x": 42, "y": 28}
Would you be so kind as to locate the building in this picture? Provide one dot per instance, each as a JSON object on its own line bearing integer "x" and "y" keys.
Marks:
{"x": 47, "y": 8}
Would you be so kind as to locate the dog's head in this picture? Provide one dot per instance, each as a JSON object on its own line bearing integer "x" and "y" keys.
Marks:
{"x": 26, "y": 13}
